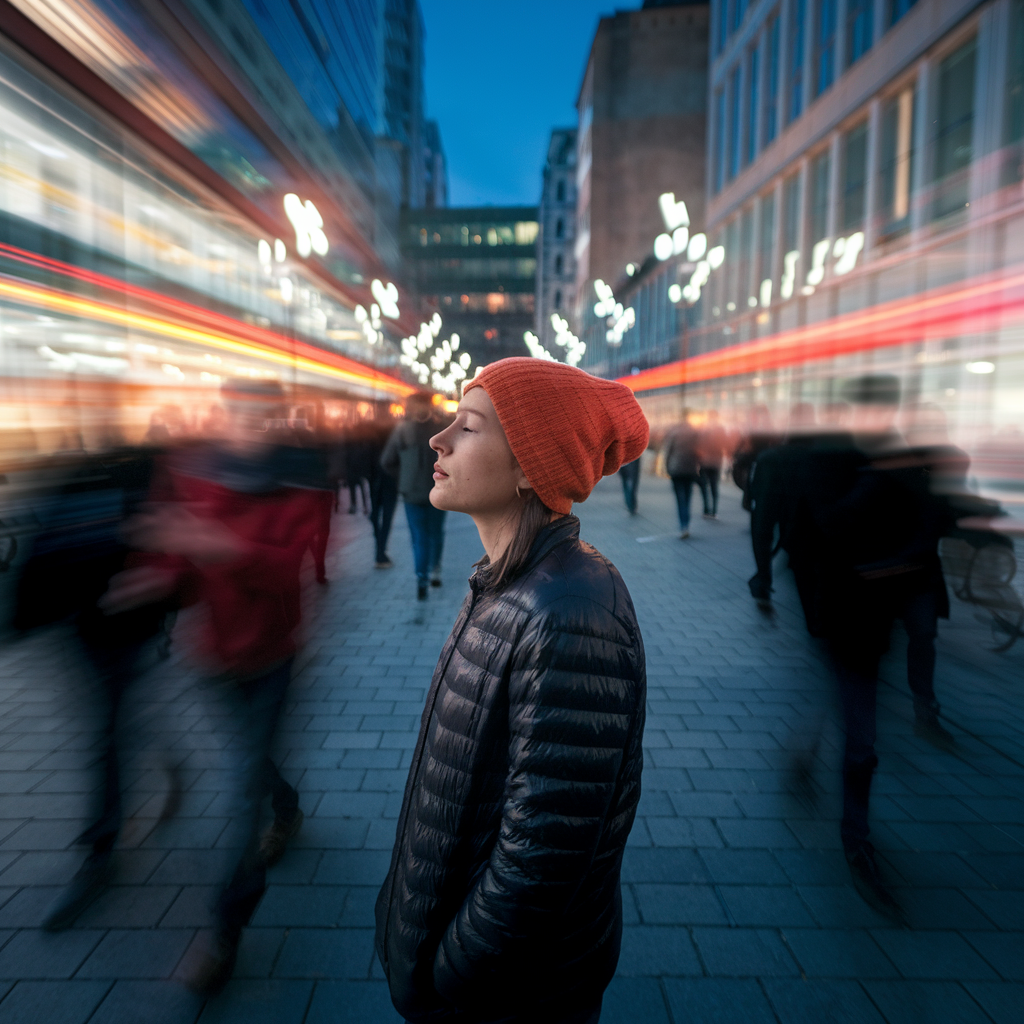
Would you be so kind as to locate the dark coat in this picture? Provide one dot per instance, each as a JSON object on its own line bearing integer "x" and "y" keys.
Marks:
{"x": 409, "y": 458}
{"x": 503, "y": 898}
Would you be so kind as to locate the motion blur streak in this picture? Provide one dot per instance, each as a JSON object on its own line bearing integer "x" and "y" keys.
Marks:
{"x": 326, "y": 363}
{"x": 983, "y": 305}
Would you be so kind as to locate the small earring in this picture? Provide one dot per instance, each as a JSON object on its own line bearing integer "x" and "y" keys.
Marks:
{"x": 518, "y": 495}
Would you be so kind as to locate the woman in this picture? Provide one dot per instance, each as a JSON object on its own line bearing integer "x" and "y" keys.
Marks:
{"x": 502, "y": 902}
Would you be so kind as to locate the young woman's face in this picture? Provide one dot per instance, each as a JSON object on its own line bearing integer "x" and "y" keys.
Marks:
{"x": 476, "y": 471}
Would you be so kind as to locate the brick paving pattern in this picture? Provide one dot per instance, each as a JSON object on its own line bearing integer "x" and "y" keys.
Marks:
{"x": 737, "y": 899}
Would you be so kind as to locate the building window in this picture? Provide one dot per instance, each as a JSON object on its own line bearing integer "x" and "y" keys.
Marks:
{"x": 559, "y": 228}
{"x": 769, "y": 123}
{"x": 739, "y": 12}
{"x": 795, "y": 90}
{"x": 745, "y": 288}
{"x": 719, "y": 154}
{"x": 753, "y": 80}
{"x": 558, "y": 299}
{"x": 896, "y": 9}
{"x": 790, "y": 235}
{"x": 854, "y": 177}
{"x": 1013, "y": 105}
{"x": 766, "y": 247}
{"x": 895, "y": 166}
{"x": 735, "y": 125}
{"x": 954, "y": 128}
{"x": 560, "y": 192}
{"x": 721, "y": 24}
{"x": 860, "y": 27}
{"x": 819, "y": 172}
{"x": 825, "y": 46}
{"x": 558, "y": 264}
{"x": 732, "y": 264}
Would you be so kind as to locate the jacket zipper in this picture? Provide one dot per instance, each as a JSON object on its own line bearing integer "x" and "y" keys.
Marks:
{"x": 414, "y": 770}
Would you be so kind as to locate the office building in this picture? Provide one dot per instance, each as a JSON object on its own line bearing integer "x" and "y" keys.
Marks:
{"x": 435, "y": 182}
{"x": 556, "y": 257}
{"x": 864, "y": 171}
{"x": 476, "y": 267}
{"x": 642, "y": 113}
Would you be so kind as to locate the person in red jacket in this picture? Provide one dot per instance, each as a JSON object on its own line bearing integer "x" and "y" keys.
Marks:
{"x": 230, "y": 524}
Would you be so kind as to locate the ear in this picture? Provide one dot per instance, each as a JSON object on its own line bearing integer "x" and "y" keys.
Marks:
{"x": 521, "y": 482}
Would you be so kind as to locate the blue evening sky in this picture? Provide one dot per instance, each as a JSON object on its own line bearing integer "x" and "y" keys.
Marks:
{"x": 500, "y": 74}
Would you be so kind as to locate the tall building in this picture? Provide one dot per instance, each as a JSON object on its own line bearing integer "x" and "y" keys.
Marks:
{"x": 556, "y": 257}
{"x": 641, "y": 134}
{"x": 435, "y": 190}
{"x": 477, "y": 267}
{"x": 403, "y": 107}
{"x": 864, "y": 174}
{"x": 176, "y": 207}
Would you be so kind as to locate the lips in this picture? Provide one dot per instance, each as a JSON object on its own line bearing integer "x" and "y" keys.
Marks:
{"x": 439, "y": 474}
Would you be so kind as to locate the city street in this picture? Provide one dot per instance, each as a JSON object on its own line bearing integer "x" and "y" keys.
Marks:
{"x": 737, "y": 897}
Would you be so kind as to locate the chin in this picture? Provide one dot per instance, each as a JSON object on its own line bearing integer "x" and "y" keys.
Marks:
{"x": 438, "y": 500}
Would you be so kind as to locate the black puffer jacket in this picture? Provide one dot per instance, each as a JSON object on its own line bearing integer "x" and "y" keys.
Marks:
{"x": 503, "y": 896}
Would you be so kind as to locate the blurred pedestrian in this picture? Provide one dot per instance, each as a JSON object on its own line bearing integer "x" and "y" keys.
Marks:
{"x": 712, "y": 447}
{"x": 502, "y": 901}
{"x": 78, "y": 550}
{"x": 383, "y": 495}
{"x": 231, "y": 525}
{"x": 682, "y": 463}
{"x": 758, "y": 436}
{"x": 409, "y": 457}
{"x": 629, "y": 474}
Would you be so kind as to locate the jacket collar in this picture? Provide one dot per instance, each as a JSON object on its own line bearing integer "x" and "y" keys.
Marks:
{"x": 564, "y": 529}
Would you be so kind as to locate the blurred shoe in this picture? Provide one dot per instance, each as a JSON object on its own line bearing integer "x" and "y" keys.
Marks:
{"x": 435, "y": 581}
{"x": 278, "y": 836}
{"x": 928, "y": 727}
{"x": 421, "y": 591}
{"x": 709, "y": 515}
{"x": 90, "y": 880}
{"x": 684, "y": 535}
{"x": 383, "y": 563}
{"x": 207, "y": 971}
{"x": 868, "y": 882}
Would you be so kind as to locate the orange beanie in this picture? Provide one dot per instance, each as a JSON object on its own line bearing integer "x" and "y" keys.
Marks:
{"x": 565, "y": 427}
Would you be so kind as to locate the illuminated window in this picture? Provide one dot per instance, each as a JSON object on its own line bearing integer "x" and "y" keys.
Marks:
{"x": 526, "y": 232}
{"x": 770, "y": 124}
{"x": 824, "y": 46}
{"x": 954, "y": 128}
{"x": 860, "y": 27}
{"x": 795, "y": 89}
{"x": 791, "y": 213}
{"x": 854, "y": 176}
{"x": 896, "y": 160}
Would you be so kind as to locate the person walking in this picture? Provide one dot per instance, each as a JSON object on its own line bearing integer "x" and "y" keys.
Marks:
{"x": 682, "y": 464}
{"x": 383, "y": 496}
{"x": 629, "y": 474}
{"x": 502, "y": 901}
{"x": 712, "y": 446}
{"x": 408, "y": 457}
{"x": 230, "y": 527}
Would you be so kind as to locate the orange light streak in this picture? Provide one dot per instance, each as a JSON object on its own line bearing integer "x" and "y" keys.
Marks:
{"x": 983, "y": 305}
{"x": 327, "y": 364}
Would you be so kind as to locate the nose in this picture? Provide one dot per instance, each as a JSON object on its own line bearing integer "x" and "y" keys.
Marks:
{"x": 439, "y": 442}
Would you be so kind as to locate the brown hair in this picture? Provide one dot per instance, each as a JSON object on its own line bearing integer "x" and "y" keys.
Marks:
{"x": 532, "y": 518}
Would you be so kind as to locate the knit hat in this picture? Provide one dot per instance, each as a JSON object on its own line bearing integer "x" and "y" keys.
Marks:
{"x": 565, "y": 427}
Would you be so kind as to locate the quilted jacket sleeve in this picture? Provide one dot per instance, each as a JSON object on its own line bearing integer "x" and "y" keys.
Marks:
{"x": 575, "y": 707}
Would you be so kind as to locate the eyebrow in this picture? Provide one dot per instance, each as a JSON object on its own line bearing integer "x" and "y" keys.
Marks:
{"x": 475, "y": 412}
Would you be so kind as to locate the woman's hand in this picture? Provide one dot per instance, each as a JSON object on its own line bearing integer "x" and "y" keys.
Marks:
{"x": 134, "y": 588}
{"x": 176, "y": 530}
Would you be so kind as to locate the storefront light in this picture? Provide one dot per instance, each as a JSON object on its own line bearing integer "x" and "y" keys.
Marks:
{"x": 981, "y": 366}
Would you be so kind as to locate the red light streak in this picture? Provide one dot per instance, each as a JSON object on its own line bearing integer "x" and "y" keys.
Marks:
{"x": 984, "y": 304}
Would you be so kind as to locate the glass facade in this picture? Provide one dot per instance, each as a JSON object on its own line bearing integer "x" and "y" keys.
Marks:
{"x": 896, "y": 157}
{"x": 860, "y": 27}
{"x": 753, "y": 107}
{"x": 954, "y": 129}
{"x": 735, "y": 124}
{"x": 825, "y": 45}
{"x": 770, "y": 122}
{"x": 854, "y": 178}
{"x": 795, "y": 82}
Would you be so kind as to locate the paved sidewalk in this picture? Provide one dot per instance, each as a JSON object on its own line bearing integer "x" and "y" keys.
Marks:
{"x": 737, "y": 899}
